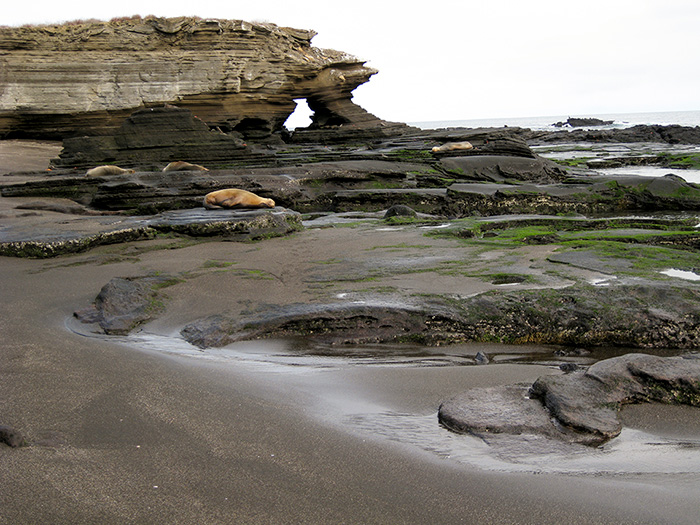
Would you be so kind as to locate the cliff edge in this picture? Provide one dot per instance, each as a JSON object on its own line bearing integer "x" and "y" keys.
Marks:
{"x": 83, "y": 78}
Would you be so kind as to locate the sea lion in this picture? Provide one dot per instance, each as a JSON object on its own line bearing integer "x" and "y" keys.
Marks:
{"x": 109, "y": 169}
{"x": 452, "y": 146}
{"x": 235, "y": 198}
{"x": 179, "y": 165}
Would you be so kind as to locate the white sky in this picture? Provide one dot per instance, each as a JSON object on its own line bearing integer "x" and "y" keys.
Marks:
{"x": 463, "y": 59}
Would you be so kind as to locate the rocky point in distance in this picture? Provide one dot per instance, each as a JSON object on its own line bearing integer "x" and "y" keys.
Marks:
{"x": 221, "y": 100}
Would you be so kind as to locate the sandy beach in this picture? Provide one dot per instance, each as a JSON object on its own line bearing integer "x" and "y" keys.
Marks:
{"x": 145, "y": 429}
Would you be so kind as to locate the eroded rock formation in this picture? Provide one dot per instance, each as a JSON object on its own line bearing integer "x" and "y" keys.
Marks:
{"x": 79, "y": 78}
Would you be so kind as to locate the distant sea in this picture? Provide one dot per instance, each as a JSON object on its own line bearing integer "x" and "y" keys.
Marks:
{"x": 620, "y": 120}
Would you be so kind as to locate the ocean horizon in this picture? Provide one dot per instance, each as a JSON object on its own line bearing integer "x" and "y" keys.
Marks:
{"x": 546, "y": 123}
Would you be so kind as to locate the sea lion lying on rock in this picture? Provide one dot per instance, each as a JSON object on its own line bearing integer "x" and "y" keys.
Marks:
{"x": 452, "y": 146}
{"x": 99, "y": 171}
{"x": 179, "y": 165}
{"x": 235, "y": 198}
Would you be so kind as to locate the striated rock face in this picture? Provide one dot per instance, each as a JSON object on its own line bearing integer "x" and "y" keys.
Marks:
{"x": 78, "y": 78}
{"x": 152, "y": 135}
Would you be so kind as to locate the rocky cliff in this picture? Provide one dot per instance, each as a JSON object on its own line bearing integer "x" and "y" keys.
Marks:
{"x": 80, "y": 78}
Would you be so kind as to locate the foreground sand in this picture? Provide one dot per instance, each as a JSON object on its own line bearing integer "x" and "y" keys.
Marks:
{"x": 125, "y": 432}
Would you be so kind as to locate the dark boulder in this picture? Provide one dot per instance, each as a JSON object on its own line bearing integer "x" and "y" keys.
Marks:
{"x": 583, "y": 122}
{"x": 125, "y": 303}
{"x": 11, "y": 437}
{"x": 580, "y": 407}
{"x": 481, "y": 358}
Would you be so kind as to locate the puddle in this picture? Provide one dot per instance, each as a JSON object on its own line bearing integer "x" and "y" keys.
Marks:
{"x": 689, "y": 175}
{"x": 602, "y": 281}
{"x": 438, "y": 227}
{"x": 338, "y": 386}
{"x": 681, "y": 274}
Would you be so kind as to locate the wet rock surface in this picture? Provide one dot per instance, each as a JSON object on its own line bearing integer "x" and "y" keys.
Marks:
{"x": 339, "y": 323}
{"x": 125, "y": 303}
{"x": 581, "y": 407}
{"x": 579, "y": 315}
{"x": 43, "y": 236}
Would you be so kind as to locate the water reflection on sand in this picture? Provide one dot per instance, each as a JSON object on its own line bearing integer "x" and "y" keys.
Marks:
{"x": 393, "y": 392}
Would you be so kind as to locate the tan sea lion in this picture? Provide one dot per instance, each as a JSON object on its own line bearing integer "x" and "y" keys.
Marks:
{"x": 452, "y": 146}
{"x": 179, "y": 165}
{"x": 109, "y": 169}
{"x": 235, "y": 198}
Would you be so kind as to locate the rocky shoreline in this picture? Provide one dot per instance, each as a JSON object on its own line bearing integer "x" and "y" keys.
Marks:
{"x": 499, "y": 191}
{"x": 497, "y": 196}
{"x": 505, "y": 287}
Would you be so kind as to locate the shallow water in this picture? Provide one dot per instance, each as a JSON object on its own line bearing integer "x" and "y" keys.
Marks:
{"x": 620, "y": 120}
{"x": 681, "y": 274}
{"x": 650, "y": 171}
{"x": 339, "y": 387}
{"x": 621, "y": 150}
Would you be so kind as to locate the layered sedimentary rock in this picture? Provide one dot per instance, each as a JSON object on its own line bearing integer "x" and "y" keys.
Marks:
{"x": 79, "y": 78}
{"x": 78, "y": 234}
{"x": 153, "y": 135}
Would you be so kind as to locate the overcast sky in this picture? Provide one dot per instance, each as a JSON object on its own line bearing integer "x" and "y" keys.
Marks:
{"x": 462, "y": 59}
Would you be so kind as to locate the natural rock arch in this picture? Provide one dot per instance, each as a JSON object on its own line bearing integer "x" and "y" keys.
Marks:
{"x": 86, "y": 78}
{"x": 301, "y": 117}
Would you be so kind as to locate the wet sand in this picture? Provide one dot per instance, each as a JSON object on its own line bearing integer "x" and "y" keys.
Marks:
{"x": 261, "y": 433}
{"x": 26, "y": 155}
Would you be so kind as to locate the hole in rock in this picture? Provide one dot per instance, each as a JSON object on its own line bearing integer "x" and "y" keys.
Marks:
{"x": 300, "y": 117}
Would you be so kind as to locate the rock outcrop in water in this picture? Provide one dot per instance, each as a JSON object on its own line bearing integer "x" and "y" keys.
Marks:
{"x": 79, "y": 78}
{"x": 581, "y": 407}
{"x": 672, "y": 134}
{"x": 582, "y": 122}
